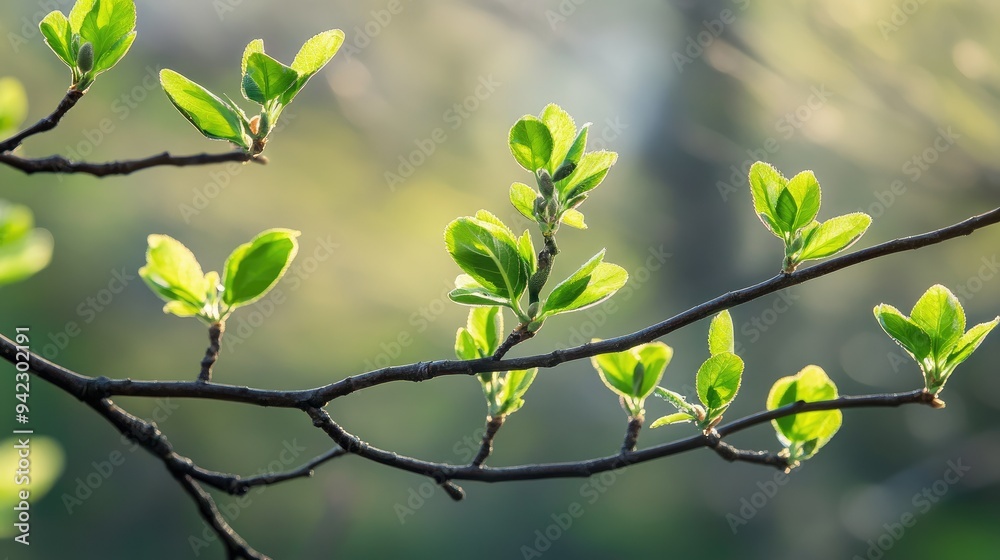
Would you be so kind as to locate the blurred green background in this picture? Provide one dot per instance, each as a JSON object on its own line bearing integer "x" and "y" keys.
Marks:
{"x": 689, "y": 93}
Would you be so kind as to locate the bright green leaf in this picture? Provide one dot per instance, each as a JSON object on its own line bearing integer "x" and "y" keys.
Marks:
{"x": 527, "y": 251}
{"x": 834, "y": 235}
{"x": 594, "y": 282}
{"x": 523, "y": 198}
{"x": 25, "y": 256}
{"x": 209, "y": 114}
{"x": 809, "y": 385}
{"x": 485, "y": 325}
{"x": 590, "y": 171}
{"x": 573, "y": 218}
{"x": 671, "y": 419}
{"x": 904, "y": 331}
{"x": 317, "y": 52}
{"x": 488, "y": 252}
{"x": 172, "y": 271}
{"x": 766, "y": 183}
{"x": 109, "y": 25}
{"x": 58, "y": 36}
{"x": 579, "y": 145}
{"x": 114, "y": 53}
{"x": 939, "y": 314}
{"x": 255, "y": 46}
{"x": 563, "y": 131}
{"x": 619, "y": 370}
{"x": 805, "y": 190}
{"x": 266, "y": 78}
{"x": 469, "y": 292}
{"x": 515, "y": 384}
{"x": 785, "y": 211}
{"x": 255, "y": 267}
{"x": 718, "y": 380}
{"x": 969, "y": 342}
{"x": 465, "y": 345}
{"x": 720, "y": 334}
{"x": 531, "y": 143}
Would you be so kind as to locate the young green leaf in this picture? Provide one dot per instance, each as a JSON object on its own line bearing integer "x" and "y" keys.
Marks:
{"x": 255, "y": 46}
{"x": 718, "y": 380}
{"x": 579, "y": 146}
{"x": 109, "y": 25}
{"x": 805, "y": 190}
{"x": 939, "y": 314}
{"x": 59, "y": 36}
{"x": 255, "y": 267}
{"x": 766, "y": 184}
{"x": 469, "y": 292}
{"x": 266, "y": 78}
{"x": 209, "y": 114}
{"x": 173, "y": 273}
{"x": 523, "y": 198}
{"x": 531, "y": 143}
{"x": 634, "y": 373}
{"x": 563, "y": 131}
{"x": 720, "y": 334}
{"x": 488, "y": 252}
{"x": 672, "y": 419}
{"x": 968, "y": 343}
{"x": 311, "y": 58}
{"x": 485, "y": 326}
{"x": 515, "y": 384}
{"x": 573, "y": 218}
{"x": 594, "y": 282}
{"x": 465, "y": 345}
{"x": 905, "y": 332}
{"x": 590, "y": 171}
{"x": 806, "y": 432}
{"x": 785, "y": 211}
{"x": 834, "y": 235}
{"x": 527, "y": 252}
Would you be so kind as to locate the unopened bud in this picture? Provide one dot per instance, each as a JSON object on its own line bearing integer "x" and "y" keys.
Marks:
{"x": 545, "y": 183}
{"x": 564, "y": 170}
{"x": 85, "y": 58}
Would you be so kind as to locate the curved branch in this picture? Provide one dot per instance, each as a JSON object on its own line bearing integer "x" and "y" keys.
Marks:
{"x": 59, "y": 164}
{"x": 80, "y": 385}
{"x": 45, "y": 124}
{"x": 441, "y": 472}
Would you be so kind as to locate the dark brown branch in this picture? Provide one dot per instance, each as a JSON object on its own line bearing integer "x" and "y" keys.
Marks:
{"x": 632, "y": 433}
{"x": 732, "y": 454}
{"x": 78, "y": 384}
{"x": 516, "y": 336}
{"x": 237, "y": 485}
{"x": 582, "y": 469}
{"x": 151, "y": 439}
{"x": 215, "y": 332}
{"x": 59, "y": 164}
{"x": 493, "y": 424}
{"x": 45, "y": 124}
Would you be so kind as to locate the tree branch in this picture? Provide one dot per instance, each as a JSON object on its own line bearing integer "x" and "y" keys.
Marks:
{"x": 45, "y": 124}
{"x": 77, "y": 384}
{"x": 59, "y": 164}
{"x": 215, "y": 332}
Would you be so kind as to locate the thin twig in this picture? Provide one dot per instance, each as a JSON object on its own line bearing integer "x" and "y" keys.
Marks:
{"x": 582, "y": 469}
{"x": 47, "y": 123}
{"x": 632, "y": 433}
{"x": 150, "y": 438}
{"x": 237, "y": 485}
{"x": 59, "y": 164}
{"x": 215, "y": 332}
{"x": 493, "y": 424}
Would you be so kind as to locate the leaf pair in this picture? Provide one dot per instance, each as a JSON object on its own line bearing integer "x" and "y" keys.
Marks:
{"x": 173, "y": 273}
{"x": 804, "y": 434}
{"x": 934, "y": 334}
{"x": 498, "y": 267}
{"x": 718, "y": 380}
{"x": 94, "y": 37}
{"x": 266, "y": 82}
{"x": 480, "y": 338}
{"x": 633, "y": 374}
{"x": 788, "y": 207}
{"x": 24, "y": 249}
{"x": 551, "y": 147}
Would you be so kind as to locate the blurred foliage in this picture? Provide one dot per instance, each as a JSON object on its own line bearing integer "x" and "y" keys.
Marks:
{"x": 899, "y": 120}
